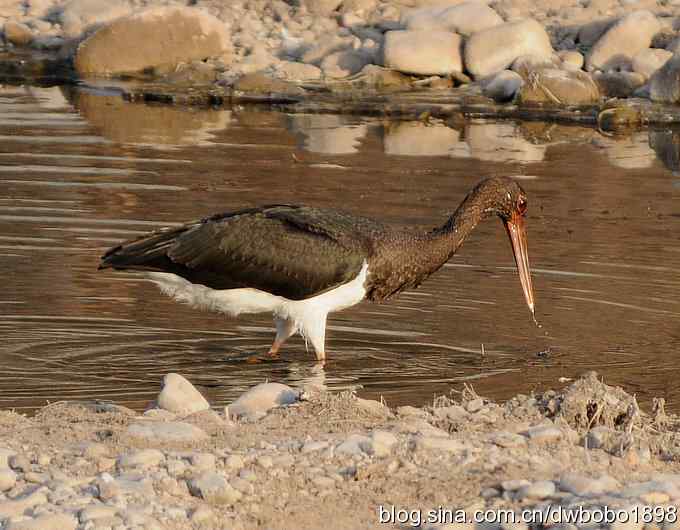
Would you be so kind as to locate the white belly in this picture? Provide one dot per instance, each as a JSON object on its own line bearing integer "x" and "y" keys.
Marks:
{"x": 243, "y": 301}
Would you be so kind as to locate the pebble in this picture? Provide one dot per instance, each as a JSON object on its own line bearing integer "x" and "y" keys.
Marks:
{"x": 7, "y": 479}
{"x": 439, "y": 444}
{"x": 515, "y": 484}
{"x": 214, "y": 488}
{"x": 382, "y": 443}
{"x": 261, "y": 399}
{"x": 144, "y": 459}
{"x": 178, "y": 395}
{"x": 423, "y": 52}
{"x": 59, "y": 521}
{"x": 96, "y": 511}
{"x": 537, "y": 490}
{"x": 500, "y": 87}
{"x": 495, "y": 49}
{"x": 17, "y": 33}
{"x": 234, "y": 462}
{"x": 311, "y": 447}
{"x": 356, "y": 444}
{"x": 507, "y": 439}
{"x": 544, "y": 434}
{"x": 160, "y": 432}
{"x": 585, "y": 486}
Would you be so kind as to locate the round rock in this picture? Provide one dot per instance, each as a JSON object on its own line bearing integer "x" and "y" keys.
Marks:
{"x": 465, "y": 19}
{"x": 179, "y": 396}
{"x": 262, "y": 398}
{"x": 423, "y": 52}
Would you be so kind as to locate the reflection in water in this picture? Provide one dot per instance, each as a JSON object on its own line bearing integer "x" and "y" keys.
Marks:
{"x": 498, "y": 142}
{"x": 78, "y": 180}
{"x": 329, "y": 134}
{"x": 146, "y": 124}
{"x": 628, "y": 152}
{"x": 411, "y": 138}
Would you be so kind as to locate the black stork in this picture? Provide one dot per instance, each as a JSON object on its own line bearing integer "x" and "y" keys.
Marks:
{"x": 301, "y": 263}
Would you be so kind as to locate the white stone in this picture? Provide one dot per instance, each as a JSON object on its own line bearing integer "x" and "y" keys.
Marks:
{"x": 60, "y": 521}
{"x": 515, "y": 484}
{"x": 439, "y": 444}
{"x": 7, "y": 479}
{"x": 382, "y": 443}
{"x": 650, "y": 60}
{"x": 587, "y": 487}
{"x": 537, "y": 490}
{"x": 262, "y": 398}
{"x": 465, "y": 19}
{"x": 629, "y": 36}
{"x": 495, "y": 49}
{"x": 214, "y": 488}
{"x": 502, "y": 87}
{"x": 179, "y": 396}
{"x": 423, "y": 52}
{"x": 415, "y": 138}
{"x": 170, "y": 431}
{"x": 354, "y": 445}
{"x": 544, "y": 434}
{"x": 142, "y": 459}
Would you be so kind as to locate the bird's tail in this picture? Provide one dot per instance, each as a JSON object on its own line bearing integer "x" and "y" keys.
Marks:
{"x": 147, "y": 252}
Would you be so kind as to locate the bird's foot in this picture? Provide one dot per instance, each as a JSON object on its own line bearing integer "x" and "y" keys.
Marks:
{"x": 267, "y": 357}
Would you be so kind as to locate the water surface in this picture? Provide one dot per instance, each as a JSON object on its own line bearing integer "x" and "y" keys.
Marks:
{"x": 81, "y": 171}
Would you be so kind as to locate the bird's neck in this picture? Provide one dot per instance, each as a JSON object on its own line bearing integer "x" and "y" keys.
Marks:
{"x": 445, "y": 240}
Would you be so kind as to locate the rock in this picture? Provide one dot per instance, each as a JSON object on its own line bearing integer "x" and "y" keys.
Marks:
{"x": 465, "y": 19}
{"x": 164, "y": 432}
{"x": 234, "y": 462}
{"x": 559, "y": 87}
{"x": 507, "y": 439}
{"x": 453, "y": 413}
{"x": 525, "y": 64}
{"x": 260, "y": 83}
{"x": 264, "y": 461}
{"x": 179, "y": 396}
{"x": 322, "y": 8}
{"x": 423, "y": 52}
{"x": 664, "y": 85}
{"x": 618, "y": 84}
{"x": 495, "y": 49}
{"x": 203, "y": 515}
{"x": 414, "y": 138}
{"x": 650, "y": 60}
{"x": 7, "y": 479}
{"x": 625, "y": 39}
{"x": 142, "y": 459}
{"x": 592, "y": 31}
{"x": 5, "y": 455}
{"x": 382, "y": 443}
{"x": 97, "y": 511}
{"x": 344, "y": 63}
{"x": 515, "y": 484}
{"x": 537, "y": 490}
{"x": 571, "y": 59}
{"x": 261, "y": 399}
{"x": 293, "y": 71}
{"x": 311, "y": 447}
{"x": 19, "y": 463}
{"x": 205, "y": 461}
{"x": 356, "y": 444}
{"x": 502, "y": 87}
{"x": 60, "y": 521}
{"x": 323, "y": 482}
{"x": 163, "y": 36}
{"x": 79, "y": 16}
{"x": 214, "y": 488}
{"x": 316, "y": 53}
{"x": 17, "y": 33}
{"x": 587, "y": 487}
{"x": 19, "y": 505}
{"x": 439, "y": 444}
{"x": 544, "y": 434}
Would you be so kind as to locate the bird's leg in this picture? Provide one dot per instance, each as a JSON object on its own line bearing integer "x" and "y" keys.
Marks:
{"x": 284, "y": 329}
{"x": 314, "y": 331}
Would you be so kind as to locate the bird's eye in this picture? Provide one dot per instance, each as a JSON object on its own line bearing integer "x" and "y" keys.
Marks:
{"x": 522, "y": 205}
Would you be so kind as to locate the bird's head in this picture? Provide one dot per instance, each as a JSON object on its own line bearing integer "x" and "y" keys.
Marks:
{"x": 504, "y": 197}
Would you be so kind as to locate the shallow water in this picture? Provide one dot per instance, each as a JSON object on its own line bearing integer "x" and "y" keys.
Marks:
{"x": 81, "y": 171}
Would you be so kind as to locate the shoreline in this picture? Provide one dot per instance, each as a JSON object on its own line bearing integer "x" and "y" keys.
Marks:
{"x": 303, "y": 458}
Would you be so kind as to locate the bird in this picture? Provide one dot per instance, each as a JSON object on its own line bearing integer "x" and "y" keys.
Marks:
{"x": 301, "y": 263}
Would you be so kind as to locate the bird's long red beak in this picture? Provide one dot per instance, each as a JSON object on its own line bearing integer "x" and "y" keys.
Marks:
{"x": 518, "y": 237}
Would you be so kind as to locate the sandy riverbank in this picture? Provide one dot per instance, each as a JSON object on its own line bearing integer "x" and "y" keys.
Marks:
{"x": 330, "y": 460}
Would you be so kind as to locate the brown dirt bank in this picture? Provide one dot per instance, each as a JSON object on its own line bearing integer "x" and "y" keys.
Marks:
{"x": 332, "y": 459}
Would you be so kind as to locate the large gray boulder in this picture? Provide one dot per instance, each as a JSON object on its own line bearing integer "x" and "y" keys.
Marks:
{"x": 158, "y": 37}
{"x": 629, "y": 36}
{"x": 423, "y": 52}
{"x": 465, "y": 19}
{"x": 664, "y": 85}
{"x": 495, "y": 49}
